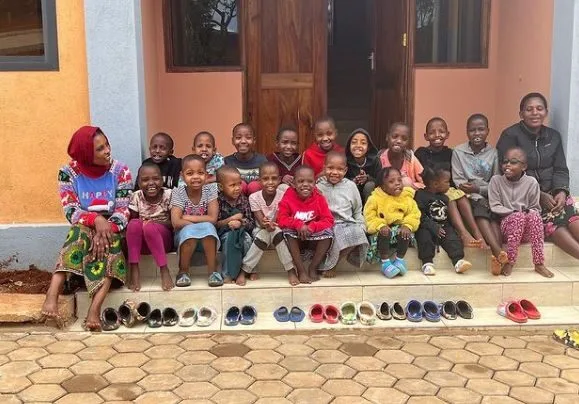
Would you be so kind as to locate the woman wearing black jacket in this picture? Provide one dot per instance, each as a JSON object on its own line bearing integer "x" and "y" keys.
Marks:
{"x": 546, "y": 162}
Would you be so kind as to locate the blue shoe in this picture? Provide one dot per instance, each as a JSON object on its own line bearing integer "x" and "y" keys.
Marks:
{"x": 296, "y": 315}
{"x": 282, "y": 314}
{"x": 414, "y": 311}
{"x": 232, "y": 316}
{"x": 431, "y": 311}
{"x": 389, "y": 270}
{"x": 248, "y": 315}
{"x": 401, "y": 265}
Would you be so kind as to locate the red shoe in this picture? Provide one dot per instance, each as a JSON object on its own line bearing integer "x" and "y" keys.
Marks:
{"x": 530, "y": 309}
{"x": 513, "y": 311}
{"x": 331, "y": 314}
{"x": 317, "y": 313}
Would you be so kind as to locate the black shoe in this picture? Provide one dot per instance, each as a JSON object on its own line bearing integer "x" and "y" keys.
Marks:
{"x": 127, "y": 313}
{"x": 155, "y": 319}
{"x": 143, "y": 311}
{"x": 170, "y": 317}
{"x": 110, "y": 319}
{"x": 464, "y": 309}
{"x": 449, "y": 310}
{"x": 383, "y": 312}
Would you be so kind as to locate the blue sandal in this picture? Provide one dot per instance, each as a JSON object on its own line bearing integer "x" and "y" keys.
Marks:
{"x": 232, "y": 316}
{"x": 248, "y": 315}
{"x": 296, "y": 315}
{"x": 215, "y": 279}
{"x": 414, "y": 311}
{"x": 282, "y": 314}
{"x": 183, "y": 280}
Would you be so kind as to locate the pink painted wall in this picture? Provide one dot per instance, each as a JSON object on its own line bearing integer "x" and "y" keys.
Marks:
{"x": 183, "y": 104}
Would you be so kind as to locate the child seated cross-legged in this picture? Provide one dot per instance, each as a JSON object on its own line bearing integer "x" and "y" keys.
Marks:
{"x": 435, "y": 228}
{"x": 161, "y": 151}
{"x": 149, "y": 230}
{"x": 325, "y": 134}
{"x": 306, "y": 221}
{"x": 362, "y": 162}
{"x": 264, "y": 205}
{"x": 287, "y": 157}
{"x": 392, "y": 215}
{"x": 344, "y": 200}
{"x": 473, "y": 165}
{"x": 234, "y": 224}
{"x": 204, "y": 146}
{"x": 194, "y": 210}
{"x": 514, "y": 196}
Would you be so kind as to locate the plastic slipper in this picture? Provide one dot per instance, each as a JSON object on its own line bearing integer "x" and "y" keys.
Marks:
{"x": 383, "y": 312}
{"x": 366, "y": 313}
{"x": 331, "y": 314}
{"x": 143, "y": 311}
{"x": 348, "y": 313}
{"x": 464, "y": 309}
{"x": 282, "y": 314}
{"x": 431, "y": 311}
{"x": 414, "y": 311}
{"x": 170, "y": 317}
{"x": 188, "y": 317}
{"x": 248, "y": 315}
{"x": 215, "y": 279}
{"x": 530, "y": 309}
{"x": 389, "y": 270}
{"x": 573, "y": 341}
{"x": 317, "y": 313}
{"x": 183, "y": 280}
{"x": 232, "y": 316}
{"x": 206, "y": 316}
{"x": 562, "y": 336}
{"x": 110, "y": 319}
{"x": 155, "y": 319}
{"x": 462, "y": 266}
{"x": 401, "y": 265}
{"x": 128, "y": 313}
{"x": 296, "y": 315}
{"x": 448, "y": 310}
{"x": 428, "y": 269}
{"x": 513, "y": 311}
{"x": 397, "y": 311}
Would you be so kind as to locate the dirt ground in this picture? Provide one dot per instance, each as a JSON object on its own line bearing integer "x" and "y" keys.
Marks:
{"x": 29, "y": 281}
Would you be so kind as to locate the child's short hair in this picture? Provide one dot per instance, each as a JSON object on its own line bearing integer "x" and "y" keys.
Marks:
{"x": 268, "y": 164}
{"x": 436, "y": 119}
{"x": 148, "y": 164}
{"x": 477, "y": 116}
{"x": 165, "y": 136}
{"x": 284, "y": 129}
{"x": 517, "y": 148}
{"x": 397, "y": 125}
{"x": 384, "y": 172}
{"x": 303, "y": 167}
{"x": 433, "y": 172}
{"x": 323, "y": 119}
{"x": 331, "y": 154}
{"x": 204, "y": 133}
{"x": 192, "y": 157}
{"x": 225, "y": 170}
{"x": 527, "y": 97}
{"x": 243, "y": 125}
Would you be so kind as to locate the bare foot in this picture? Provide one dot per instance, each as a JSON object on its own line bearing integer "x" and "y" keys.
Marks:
{"x": 166, "y": 280}
{"x": 469, "y": 241}
{"x": 240, "y": 281}
{"x": 135, "y": 284}
{"x": 304, "y": 277}
{"x": 292, "y": 277}
{"x": 227, "y": 279}
{"x": 314, "y": 275}
{"x": 92, "y": 321}
{"x": 330, "y": 274}
{"x": 496, "y": 266}
{"x": 253, "y": 277}
{"x": 507, "y": 269}
{"x": 50, "y": 306}
{"x": 543, "y": 271}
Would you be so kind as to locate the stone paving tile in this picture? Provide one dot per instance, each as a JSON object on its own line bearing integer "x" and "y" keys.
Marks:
{"x": 14, "y": 384}
{"x": 96, "y": 353}
{"x": 129, "y": 359}
{"x": 532, "y": 395}
{"x": 557, "y": 386}
{"x": 299, "y": 364}
{"x": 562, "y": 361}
{"x": 303, "y": 380}
{"x": 324, "y": 342}
{"x": 416, "y": 387}
{"x": 497, "y": 362}
{"x": 508, "y": 342}
{"x": 566, "y": 399}
{"x": 196, "y": 373}
{"x": 197, "y": 344}
{"x": 445, "y": 379}
{"x": 262, "y": 343}
{"x": 343, "y": 388}
{"x": 56, "y": 376}
{"x": 91, "y": 367}
{"x": 309, "y": 396}
{"x": 59, "y": 361}
{"x": 421, "y": 349}
{"x": 156, "y": 397}
{"x": 121, "y": 391}
{"x": 483, "y": 348}
{"x": 84, "y": 398}
{"x": 263, "y": 356}
{"x": 459, "y": 395}
{"x": 384, "y": 343}
{"x": 488, "y": 387}
{"x": 385, "y": 395}
{"x": 133, "y": 345}
{"x": 539, "y": 369}
{"x": 234, "y": 397}
{"x": 84, "y": 384}
{"x": 394, "y": 356}
{"x": 42, "y": 392}
{"x": 336, "y": 371}
{"x": 444, "y": 342}
{"x": 514, "y": 378}
{"x": 459, "y": 356}
{"x": 375, "y": 379}
{"x": 523, "y": 355}
{"x": 196, "y": 390}
{"x": 472, "y": 371}
{"x": 365, "y": 363}
{"x": 403, "y": 371}
{"x": 264, "y": 388}
{"x": 432, "y": 363}
{"x": 232, "y": 380}
{"x": 18, "y": 369}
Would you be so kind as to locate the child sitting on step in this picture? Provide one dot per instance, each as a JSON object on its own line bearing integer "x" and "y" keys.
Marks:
{"x": 161, "y": 151}
{"x": 325, "y": 134}
{"x": 204, "y": 146}
{"x": 362, "y": 162}
{"x": 399, "y": 156}
{"x": 287, "y": 157}
{"x": 392, "y": 215}
{"x": 514, "y": 197}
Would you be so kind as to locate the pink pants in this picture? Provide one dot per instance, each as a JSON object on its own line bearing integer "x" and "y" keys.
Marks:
{"x": 250, "y": 188}
{"x": 521, "y": 227}
{"x": 149, "y": 238}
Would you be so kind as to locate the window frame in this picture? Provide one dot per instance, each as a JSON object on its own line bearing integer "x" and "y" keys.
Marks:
{"x": 485, "y": 37}
{"x": 170, "y": 67}
{"x": 49, "y": 61}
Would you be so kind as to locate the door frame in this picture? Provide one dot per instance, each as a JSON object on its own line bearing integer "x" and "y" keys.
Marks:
{"x": 410, "y": 71}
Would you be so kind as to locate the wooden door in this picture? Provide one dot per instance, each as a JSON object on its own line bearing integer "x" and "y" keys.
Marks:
{"x": 285, "y": 57}
{"x": 391, "y": 78}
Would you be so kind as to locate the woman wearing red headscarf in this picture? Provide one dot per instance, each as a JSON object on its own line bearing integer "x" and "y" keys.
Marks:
{"x": 94, "y": 192}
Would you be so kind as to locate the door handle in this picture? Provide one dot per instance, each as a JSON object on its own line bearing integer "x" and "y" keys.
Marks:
{"x": 372, "y": 59}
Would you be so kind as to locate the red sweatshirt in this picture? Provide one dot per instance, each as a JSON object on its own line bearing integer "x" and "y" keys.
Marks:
{"x": 294, "y": 212}
{"x": 314, "y": 156}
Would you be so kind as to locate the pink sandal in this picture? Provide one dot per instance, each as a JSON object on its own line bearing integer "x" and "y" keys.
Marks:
{"x": 512, "y": 310}
{"x": 317, "y": 313}
{"x": 530, "y": 309}
{"x": 331, "y": 314}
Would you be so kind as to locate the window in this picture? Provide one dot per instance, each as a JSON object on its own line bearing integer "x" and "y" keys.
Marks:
{"x": 452, "y": 32}
{"x": 28, "y": 38}
{"x": 202, "y": 35}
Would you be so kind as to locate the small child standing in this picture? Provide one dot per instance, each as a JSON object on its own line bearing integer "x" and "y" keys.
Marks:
{"x": 194, "y": 210}
{"x": 399, "y": 156}
{"x": 473, "y": 165}
{"x": 392, "y": 215}
{"x": 245, "y": 159}
{"x": 325, "y": 134}
{"x": 149, "y": 230}
{"x": 362, "y": 158}
{"x": 204, "y": 146}
{"x": 514, "y": 196}
{"x": 435, "y": 227}
{"x": 287, "y": 157}
{"x": 346, "y": 205}
{"x": 234, "y": 224}
{"x": 161, "y": 151}
{"x": 264, "y": 205}
{"x": 306, "y": 221}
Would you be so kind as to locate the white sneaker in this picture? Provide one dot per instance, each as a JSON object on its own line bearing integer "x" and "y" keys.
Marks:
{"x": 462, "y": 266}
{"x": 428, "y": 269}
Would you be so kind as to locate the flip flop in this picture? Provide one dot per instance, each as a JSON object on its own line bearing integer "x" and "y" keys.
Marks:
{"x": 448, "y": 310}
{"x": 110, "y": 319}
{"x": 232, "y": 316}
{"x": 143, "y": 311}
{"x": 170, "y": 317}
{"x": 248, "y": 315}
{"x": 348, "y": 313}
{"x": 414, "y": 311}
{"x": 155, "y": 319}
{"x": 183, "y": 280}
{"x": 206, "y": 316}
{"x": 188, "y": 317}
{"x": 383, "y": 312}
{"x": 215, "y": 279}
{"x": 127, "y": 312}
{"x": 317, "y": 313}
{"x": 282, "y": 314}
{"x": 464, "y": 309}
{"x": 397, "y": 311}
{"x": 513, "y": 311}
{"x": 331, "y": 314}
{"x": 366, "y": 313}
{"x": 296, "y": 315}
{"x": 530, "y": 309}
{"x": 431, "y": 311}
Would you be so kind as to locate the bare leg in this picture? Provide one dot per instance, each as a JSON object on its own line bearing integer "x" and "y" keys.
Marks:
{"x": 465, "y": 210}
{"x": 50, "y": 306}
{"x": 332, "y": 272}
{"x": 135, "y": 278}
{"x": 166, "y": 281}
{"x": 322, "y": 247}
{"x": 210, "y": 248}
{"x": 185, "y": 253}
{"x": 489, "y": 233}
{"x": 292, "y": 277}
{"x": 565, "y": 240}
{"x": 294, "y": 249}
{"x": 93, "y": 315}
{"x": 458, "y": 223}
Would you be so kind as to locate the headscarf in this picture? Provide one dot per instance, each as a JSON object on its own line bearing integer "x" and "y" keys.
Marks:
{"x": 81, "y": 150}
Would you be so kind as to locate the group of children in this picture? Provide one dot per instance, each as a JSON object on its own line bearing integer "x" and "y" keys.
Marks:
{"x": 332, "y": 203}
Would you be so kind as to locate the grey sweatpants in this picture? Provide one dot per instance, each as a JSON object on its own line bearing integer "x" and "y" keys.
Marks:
{"x": 266, "y": 238}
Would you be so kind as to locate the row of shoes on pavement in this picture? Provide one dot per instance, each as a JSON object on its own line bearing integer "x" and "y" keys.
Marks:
{"x": 131, "y": 313}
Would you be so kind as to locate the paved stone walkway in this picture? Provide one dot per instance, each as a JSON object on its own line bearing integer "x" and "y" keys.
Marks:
{"x": 226, "y": 368}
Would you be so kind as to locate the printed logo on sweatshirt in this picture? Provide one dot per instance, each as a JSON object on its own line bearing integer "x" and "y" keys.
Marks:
{"x": 305, "y": 216}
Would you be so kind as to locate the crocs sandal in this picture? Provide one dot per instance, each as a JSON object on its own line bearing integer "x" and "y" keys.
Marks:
{"x": 143, "y": 311}
{"x": 366, "y": 313}
{"x": 110, "y": 319}
{"x": 414, "y": 311}
{"x": 215, "y": 279}
{"x": 383, "y": 312}
{"x": 389, "y": 270}
{"x": 530, "y": 309}
{"x": 401, "y": 265}
{"x": 282, "y": 314}
{"x": 464, "y": 309}
{"x": 428, "y": 269}
{"x": 431, "y": 311}
{"x": 248, "y": 315}
{"x": 331, "y": 314}
{"x": 170, "y": 317}
{"x": 155, "y": 319}
{"x": 348, "y": 313}
{"x": 128, "y": 313}
{"x": 183, "y": 280}
{"x": 232, "y": 316}
{"x": 573, "y": 341}
{"x": 513, "y": 311}
{"x": 296, "y": 315}
{"x": 448, "y": 310}
{"x": 317, "y": 313}
{"x": 206, "y": 316}
{"x": 562, "y": 336}
{"x": 397, "y": 311}
{"x": 188, "y": 317}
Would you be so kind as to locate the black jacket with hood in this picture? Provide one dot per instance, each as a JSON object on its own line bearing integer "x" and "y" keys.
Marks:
{"x": 370, "y": 166}
{"x": 545, "y": 156}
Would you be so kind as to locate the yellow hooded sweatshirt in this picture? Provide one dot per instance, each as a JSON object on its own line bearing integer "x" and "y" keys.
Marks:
{"x": 383, "y": 209}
